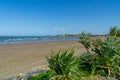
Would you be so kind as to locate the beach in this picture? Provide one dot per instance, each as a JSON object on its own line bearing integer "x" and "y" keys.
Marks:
{"x": 26, "y": 57}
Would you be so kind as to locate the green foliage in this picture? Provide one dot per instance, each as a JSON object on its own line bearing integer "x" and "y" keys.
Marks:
{"x": 62, "y": 64}
{"x": 85, "y": 40}
{"x": 114, "y": 31}
{"x": 104, "y": 56}
{"x": 109, "y": 56}
{"x": 102, "y": 60}
{"x": 42, "y": 76}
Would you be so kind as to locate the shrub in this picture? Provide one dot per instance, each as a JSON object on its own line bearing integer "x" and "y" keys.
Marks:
{"x": 42, "y": 76}
{"x": 63, "y": 64}
{"x": 114, "y": 31}
{"x": 103, "y": 58}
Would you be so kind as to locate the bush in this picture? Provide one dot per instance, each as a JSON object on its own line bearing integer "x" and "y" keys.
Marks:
{"x": 62, "y": 64}
{"x": 42, "y": 76}
{"x": 103, "y": 57}
{"x": 101, "y": 60}
{"x": 114, "y": 31}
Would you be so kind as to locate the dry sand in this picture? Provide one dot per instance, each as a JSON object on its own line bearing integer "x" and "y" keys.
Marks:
{"x": 26, "y": 57}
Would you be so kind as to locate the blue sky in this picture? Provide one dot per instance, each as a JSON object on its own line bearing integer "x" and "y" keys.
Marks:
{"x": 50, "y": 17}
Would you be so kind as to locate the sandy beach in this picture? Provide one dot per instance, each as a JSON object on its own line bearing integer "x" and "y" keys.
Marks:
{"x": 27, "y": 57}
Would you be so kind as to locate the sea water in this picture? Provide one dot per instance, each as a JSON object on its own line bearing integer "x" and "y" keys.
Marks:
{"x": 26, "y": 39}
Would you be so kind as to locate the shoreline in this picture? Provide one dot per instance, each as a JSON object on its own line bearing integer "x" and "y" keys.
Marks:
{"x": 36, "y": 42}
{"x": 27, "y": 57}
{"x": 30, "y": 39}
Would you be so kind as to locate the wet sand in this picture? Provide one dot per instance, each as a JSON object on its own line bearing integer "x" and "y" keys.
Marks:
{"x": 27, "y": 57}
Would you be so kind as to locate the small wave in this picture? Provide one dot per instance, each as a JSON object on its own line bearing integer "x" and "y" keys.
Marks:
{"x": 11, "y": 39}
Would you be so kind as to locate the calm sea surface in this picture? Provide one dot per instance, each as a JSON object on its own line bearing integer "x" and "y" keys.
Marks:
{"x": 25, "y": 39}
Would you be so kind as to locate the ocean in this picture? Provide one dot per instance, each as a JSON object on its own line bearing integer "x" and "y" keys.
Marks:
{"x": 27, "y": 39}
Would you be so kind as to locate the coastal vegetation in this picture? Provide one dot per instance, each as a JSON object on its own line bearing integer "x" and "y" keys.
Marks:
{"x": 101, "y": 60}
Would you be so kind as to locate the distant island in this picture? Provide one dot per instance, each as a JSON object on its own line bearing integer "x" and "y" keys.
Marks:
{"x": 78, "y": 35}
